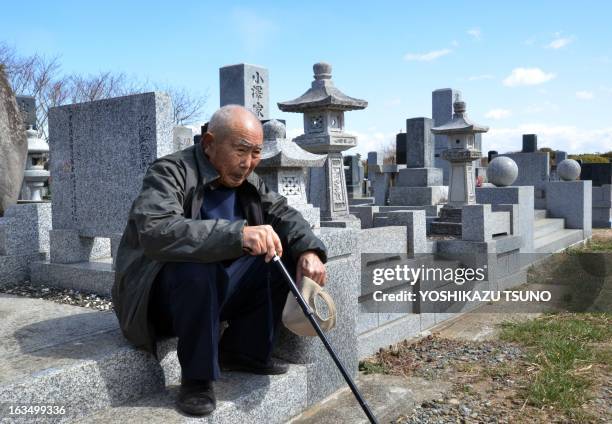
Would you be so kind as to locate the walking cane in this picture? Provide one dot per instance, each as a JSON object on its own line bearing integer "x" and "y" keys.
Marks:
{"x": 309, "y": 314}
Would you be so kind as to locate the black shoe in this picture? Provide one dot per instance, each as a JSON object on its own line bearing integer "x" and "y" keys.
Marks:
{"x": 196, "y": 397}
{"x": 229, "y": 362}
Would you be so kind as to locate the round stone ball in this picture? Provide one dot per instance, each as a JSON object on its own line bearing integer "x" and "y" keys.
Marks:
{"x": 274, "y": 130}
{"x": 502, "y": 171}
{"x": 568, "y": 170}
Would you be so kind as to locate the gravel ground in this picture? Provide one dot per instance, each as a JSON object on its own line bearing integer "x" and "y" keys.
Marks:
{"x": 486, "y": 377}
{"x": 66, "y": 296}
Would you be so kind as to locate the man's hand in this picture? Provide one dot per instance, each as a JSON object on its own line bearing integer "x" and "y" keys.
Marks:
{"x": 261, "y": 239}
{"x": 309, "y": 264}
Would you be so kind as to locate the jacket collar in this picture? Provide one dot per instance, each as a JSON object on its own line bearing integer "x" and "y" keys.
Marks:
{"x": 208, "y": 173}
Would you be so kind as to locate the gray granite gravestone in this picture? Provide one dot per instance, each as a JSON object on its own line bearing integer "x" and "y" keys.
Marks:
{"x": 442, "y": 112}
{"x": 354, "y": 174}
{"x": 245, "y": 85}
{"x": 100, "y": 153}
{"x": 534, "y": 170}
{"x": 27, "y": 106}
{"x": 420, "y": 183}
{"x": 13, "y": 146}
{"x": 182, "y": 137}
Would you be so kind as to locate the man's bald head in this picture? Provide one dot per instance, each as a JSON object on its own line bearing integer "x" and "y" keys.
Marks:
{"x": 233, "y": 118}
{"x": 233, "y": 143}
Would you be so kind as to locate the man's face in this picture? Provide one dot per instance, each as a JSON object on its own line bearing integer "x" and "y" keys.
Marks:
{"x": 236, "y": 156}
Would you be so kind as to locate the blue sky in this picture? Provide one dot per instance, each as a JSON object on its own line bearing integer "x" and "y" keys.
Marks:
{"x": 522, "y": 67}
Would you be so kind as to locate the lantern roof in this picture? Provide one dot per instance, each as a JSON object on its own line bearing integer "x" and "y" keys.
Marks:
{"x": 460, "y": 123}
{"x": 322, "y": 95}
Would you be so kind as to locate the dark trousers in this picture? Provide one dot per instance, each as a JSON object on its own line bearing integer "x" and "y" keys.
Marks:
{"x": 189, "y": 300}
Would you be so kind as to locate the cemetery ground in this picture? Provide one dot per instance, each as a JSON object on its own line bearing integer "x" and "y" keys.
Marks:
{"x": 549, "y": 365}
{"x": 552, "y": 365}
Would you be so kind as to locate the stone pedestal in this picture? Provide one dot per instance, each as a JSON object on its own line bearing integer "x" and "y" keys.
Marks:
{"x": 24, "y": 238}
{"x": 571, "y": 200}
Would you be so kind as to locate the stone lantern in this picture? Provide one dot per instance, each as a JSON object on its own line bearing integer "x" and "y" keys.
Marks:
{"x": 323, "y": 106}
{"x": 35, "y": 175}
{"x": 461, "y": 154}
{"x": 283, "y": 167}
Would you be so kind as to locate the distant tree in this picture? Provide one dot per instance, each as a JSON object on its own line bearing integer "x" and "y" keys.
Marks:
{"x": 388, "y": 153}
{"x": 40, "y": 76}
{"x": 607, "y": 155}
{"x": 590, "y": 158}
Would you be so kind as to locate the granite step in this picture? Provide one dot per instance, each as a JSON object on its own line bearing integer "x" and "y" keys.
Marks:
{"x": 91, "y": 277}
{"x": 77, "y": 358}
{"x": 557, "y": 241}
{"x": 543, "y": 227}
{"x": 539, "y": 213}
{"x": 241, "y": 398}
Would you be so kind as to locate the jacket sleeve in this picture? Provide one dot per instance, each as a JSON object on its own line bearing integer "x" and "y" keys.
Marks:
{"x": 289, "y": 224}
{"x": 163, "y": 231}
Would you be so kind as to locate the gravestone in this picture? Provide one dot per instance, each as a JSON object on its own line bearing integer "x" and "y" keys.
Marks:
{"x": 400, "y": 148}
{"x": 442, "y": 112}
{"x": 27, "y": 106}
{"x": 181, "y": 137}
{"x": 13, "y": 145}
{"x": 419, "y": 143}
{"x": 354, "y": 174}
{"x": 599, "y": 173}
{"x": 420, "y": 183}
{"x": 95, "y": 183}
{"x": 530, "y": 143}
{"x": 534, "y": 169}
{"x": 490, "y": 155}
{"x": 245, "y": 85}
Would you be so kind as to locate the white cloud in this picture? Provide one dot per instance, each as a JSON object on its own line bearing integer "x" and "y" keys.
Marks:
{"x": 498, "y": 114}
{"x": 455, "y": 43}
{"x": 426, "y": 57}
{"x": 475, "y": 32}
{"x": 569, "y": 138}
{"x": 396, "y": 101}
{"x": 527, "y": 76}
{"x": 480, "y": 77}
{"x": 559, "y": 42}
{"x": 546, "y": 106}
{"x": 584, "y": 95}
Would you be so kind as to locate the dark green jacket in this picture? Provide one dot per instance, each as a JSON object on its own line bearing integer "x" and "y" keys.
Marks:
{"x": 164, "y": 225}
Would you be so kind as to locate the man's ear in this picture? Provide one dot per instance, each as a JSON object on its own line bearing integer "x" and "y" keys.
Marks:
{"x": 207, "y": 139}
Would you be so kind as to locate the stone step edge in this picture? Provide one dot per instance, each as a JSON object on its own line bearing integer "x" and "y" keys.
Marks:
{"x": 269, "y": 399}
{"x": 92, "y": 384}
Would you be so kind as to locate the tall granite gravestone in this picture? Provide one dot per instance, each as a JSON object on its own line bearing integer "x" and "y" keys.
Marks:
{"x": 13, "y": 145}
{"x": 534, "y": 168}
{"x": 401, "y": 142}
{"x": 27, "y": 106}
{"x": 100, "y": 153}
{"x": 323, "y": 106}
{"x": 245, "y": 85}
{"x": 420, "y": 183}
{"x": 442, "y": 112}
{"x": 599, "y": 173}
{"x": 354, "y": 175}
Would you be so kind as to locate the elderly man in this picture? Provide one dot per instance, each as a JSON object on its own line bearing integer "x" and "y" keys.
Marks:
{"x": 196, "y": 251}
